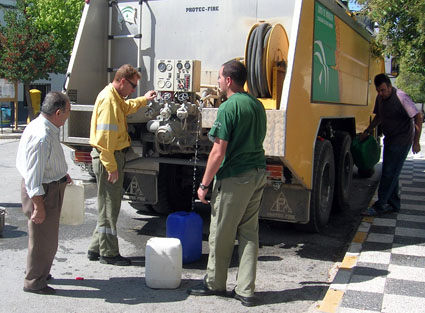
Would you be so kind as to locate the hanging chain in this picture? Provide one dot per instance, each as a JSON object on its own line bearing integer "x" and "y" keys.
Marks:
{"x": 198, "y": 127}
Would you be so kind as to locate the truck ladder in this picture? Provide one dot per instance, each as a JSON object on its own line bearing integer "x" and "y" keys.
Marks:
{"x": 111, "y": 37}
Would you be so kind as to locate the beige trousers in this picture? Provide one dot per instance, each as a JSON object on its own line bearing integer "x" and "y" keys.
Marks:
{"x": 235, "y": 205}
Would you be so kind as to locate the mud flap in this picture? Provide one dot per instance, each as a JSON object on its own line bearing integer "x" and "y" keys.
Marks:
{"x": 141, "y": 187}
{"x": 289, "y": 203}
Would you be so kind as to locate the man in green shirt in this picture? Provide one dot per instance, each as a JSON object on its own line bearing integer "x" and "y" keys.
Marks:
{"x": 238, "y": 162}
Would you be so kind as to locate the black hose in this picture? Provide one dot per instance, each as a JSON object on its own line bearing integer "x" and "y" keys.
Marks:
{"x": 256, "y": 61}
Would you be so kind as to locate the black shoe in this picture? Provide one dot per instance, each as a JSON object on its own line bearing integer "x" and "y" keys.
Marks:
{"x": 93, "y": 256}
{"x": 49, "y": 277}
{"x": 202, "y": 290}
{"x": 115, "y": 260}
{"x": 246, "y": 301}
{"x": 43, "y": 291}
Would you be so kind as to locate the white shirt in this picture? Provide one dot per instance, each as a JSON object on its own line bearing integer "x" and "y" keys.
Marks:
{"x": 40, "y": 158}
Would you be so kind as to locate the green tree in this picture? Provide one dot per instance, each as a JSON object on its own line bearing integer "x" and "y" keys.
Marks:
{"x": 61, "y": 19}
{"x": 413, "y": 84}
{"x": 35, "y": 41}
{"x": 402, "y": 33}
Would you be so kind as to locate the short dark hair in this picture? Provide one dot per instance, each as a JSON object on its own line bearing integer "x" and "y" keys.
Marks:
{"x": 54, "y": 101}
{"x": 126, "y": 71}
{"x": 380, "y": 79}
{"x": 236, "y": 71}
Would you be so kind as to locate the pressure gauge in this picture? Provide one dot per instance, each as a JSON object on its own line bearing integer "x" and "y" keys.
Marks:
{"x": 187, "y": 65}
{"x": 162, "y": 67}
{"x": 179, "y": 66}
{"x": 169, "y": 67}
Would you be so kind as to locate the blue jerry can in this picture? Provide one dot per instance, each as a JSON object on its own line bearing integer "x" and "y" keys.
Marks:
{"x": 186, "y": 226}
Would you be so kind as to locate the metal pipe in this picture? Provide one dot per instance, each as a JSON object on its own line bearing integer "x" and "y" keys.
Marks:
{"x": 167, "y": 161}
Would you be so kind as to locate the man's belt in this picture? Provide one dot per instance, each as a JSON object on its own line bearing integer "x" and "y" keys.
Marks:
{"x": 62, "y": 180}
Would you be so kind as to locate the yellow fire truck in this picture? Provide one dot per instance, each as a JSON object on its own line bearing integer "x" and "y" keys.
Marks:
{"x": 308, "y": 61}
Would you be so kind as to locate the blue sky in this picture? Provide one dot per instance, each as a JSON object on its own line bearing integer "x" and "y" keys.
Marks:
{"x": 353, "y": 6}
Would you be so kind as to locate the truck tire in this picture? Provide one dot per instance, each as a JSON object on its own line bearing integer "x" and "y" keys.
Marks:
{"x": 343, "y": 171}
{"x": 173, "y": 193}
{"x": 323, "y": 187}
{"x": 180, "y": 187}
{"x": 366, "y": 173}
{"x": 162, "y": 206}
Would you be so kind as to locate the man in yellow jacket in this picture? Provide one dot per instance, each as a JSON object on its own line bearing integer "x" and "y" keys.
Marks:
{"x": 110, "y": 140}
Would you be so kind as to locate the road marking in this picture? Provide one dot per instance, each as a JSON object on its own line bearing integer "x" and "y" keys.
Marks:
{"x": 331, "y": 301}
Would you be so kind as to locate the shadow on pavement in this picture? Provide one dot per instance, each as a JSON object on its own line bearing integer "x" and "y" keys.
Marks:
{"x": 304, "y": 293}
{"x": 129, "y": 290}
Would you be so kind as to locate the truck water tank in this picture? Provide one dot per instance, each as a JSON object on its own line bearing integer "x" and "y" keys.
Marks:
{"x": 163, "y": 266}
{"x": 186, "y": 226}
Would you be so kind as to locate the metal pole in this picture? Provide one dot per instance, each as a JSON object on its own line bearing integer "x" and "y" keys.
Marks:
{"x": 16, "y": 114}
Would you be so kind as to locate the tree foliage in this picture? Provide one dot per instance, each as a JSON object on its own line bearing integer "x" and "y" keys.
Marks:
{"x": 37, "y": 39}
{"x": 59, "y": 18}
{"x": 413, "y": 84}
{"x": 27, "y": 54}
{"x": 402, "y": 33}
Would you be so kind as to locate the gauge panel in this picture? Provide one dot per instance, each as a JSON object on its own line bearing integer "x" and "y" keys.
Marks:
{"x": 178, "y": 75}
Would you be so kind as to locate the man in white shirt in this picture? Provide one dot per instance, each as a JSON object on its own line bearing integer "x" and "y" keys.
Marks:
{"x": 41, "y": 162}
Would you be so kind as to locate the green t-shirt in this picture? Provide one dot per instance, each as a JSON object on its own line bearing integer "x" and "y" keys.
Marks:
{"x": 242, "y": 122}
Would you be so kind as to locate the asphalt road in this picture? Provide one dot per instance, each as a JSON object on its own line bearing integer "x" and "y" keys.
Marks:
{"x": 294, "y": 268}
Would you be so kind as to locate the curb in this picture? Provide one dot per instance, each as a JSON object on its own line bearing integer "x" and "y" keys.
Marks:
{"x": 9, "y": 133}
{"x": 333, "y": 297}
{"x": 5, "y": 136}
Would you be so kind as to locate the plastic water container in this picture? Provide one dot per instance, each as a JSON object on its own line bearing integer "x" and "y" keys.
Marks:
{"x": 186, "y": 226}
{"x": 163, "y": 263}
{"x": 365, "y": 153}
{"x": 72, "y": 212}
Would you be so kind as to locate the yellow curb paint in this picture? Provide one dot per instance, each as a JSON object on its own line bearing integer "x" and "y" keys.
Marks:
{"x": 349, "y": 262}
{"x": 368, "y": 219}
{"x": 360, "y": 237}
{"x": 331, "y": 301}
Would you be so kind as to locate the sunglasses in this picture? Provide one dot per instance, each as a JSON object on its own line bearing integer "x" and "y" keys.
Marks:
{"x": 132, "y": 84}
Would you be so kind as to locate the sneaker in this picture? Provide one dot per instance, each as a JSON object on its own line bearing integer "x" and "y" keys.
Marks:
{"x": 115, "y": 260}
{"x": 370, "y": 212}
{"x": 388, "y": 209}
{"x": 93, "y": 256}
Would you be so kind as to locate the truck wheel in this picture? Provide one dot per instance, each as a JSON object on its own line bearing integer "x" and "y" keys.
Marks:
{"x": 343, "y": 170}
{"x": 366, "y": 173}
{"x": 162, "y": 206}
{"x": 174, "y": 192}
{"x": 180, "y": 187}
{"x": 323, "y": 186}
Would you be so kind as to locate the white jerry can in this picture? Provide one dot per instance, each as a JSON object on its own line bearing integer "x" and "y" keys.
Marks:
{"x": 72, "y": 212}
{"x": 163, "y": 265}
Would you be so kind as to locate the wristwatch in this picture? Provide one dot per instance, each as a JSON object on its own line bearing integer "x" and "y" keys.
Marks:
{"x": 203, "y": 187}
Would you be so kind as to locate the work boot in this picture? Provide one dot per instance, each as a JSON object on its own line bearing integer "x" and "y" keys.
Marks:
{"x": 115, "y": 260}
{"x": 93, "y": 256}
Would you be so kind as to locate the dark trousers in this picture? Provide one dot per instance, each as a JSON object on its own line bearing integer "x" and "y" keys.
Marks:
{"x": 388, "y": 191}
{"x": 42, "y": 238}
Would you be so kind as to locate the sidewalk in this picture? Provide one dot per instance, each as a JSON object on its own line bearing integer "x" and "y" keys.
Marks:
{"x": 10, "y": 133}
{"x": 384, "y": 267}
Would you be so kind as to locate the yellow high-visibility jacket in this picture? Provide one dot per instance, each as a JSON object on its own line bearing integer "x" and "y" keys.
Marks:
{"x": 108, "y": 129}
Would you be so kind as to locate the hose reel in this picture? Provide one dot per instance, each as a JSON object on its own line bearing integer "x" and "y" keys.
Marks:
{"x": 266, "y": 54}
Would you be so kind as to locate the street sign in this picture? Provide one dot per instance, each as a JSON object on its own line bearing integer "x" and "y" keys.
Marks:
{"x": 8, "y": 90}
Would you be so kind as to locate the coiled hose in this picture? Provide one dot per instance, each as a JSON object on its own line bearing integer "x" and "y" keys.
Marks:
{"x": 256, "y": 61}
